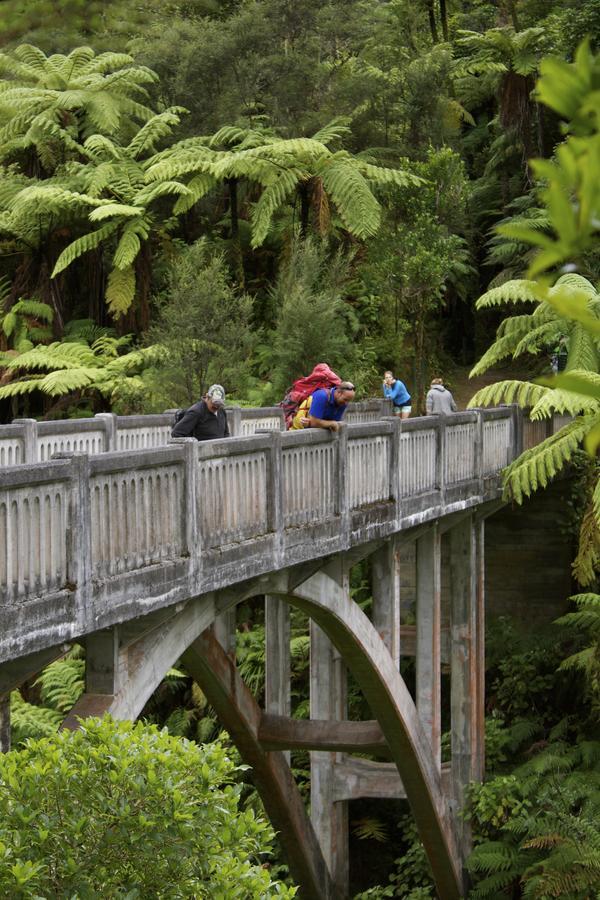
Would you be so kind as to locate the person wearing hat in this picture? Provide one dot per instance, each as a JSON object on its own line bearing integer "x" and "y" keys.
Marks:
{"x": 205, "y": 420}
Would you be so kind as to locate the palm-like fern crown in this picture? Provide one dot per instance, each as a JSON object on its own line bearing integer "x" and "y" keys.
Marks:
{"x": 279, "y": 166}
{"x": 500, "y": 50}
{"x": 52, "y": 103}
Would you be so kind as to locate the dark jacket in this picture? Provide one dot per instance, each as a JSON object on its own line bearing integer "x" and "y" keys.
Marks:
{"x": 201, "y": 423}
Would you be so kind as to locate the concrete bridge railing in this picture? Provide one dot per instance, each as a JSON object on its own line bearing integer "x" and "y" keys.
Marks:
{"x": 29, "y": 441}
{"x": 188, "y": 517}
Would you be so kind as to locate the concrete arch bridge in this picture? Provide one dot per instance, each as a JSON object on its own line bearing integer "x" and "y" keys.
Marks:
{"x": 141, "y": 548}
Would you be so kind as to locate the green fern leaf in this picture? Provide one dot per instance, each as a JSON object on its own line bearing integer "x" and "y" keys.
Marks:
{"x": 519, "y": 291}
{"x": 120, "y": 290}
{"x": 524, "y": 393}
{"x": 83, "y": 245}
{"x": 356, "y": 205}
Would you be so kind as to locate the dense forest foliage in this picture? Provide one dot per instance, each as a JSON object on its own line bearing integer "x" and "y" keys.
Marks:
{"x": 233, "y": 191}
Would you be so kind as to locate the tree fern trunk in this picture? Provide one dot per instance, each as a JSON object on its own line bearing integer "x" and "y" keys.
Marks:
{"x": 444, "y": 19}
{"x": 143, "y": 266}
{"x": 236, "y": 247}
{"x": 432, "y": 23}
{"x": 305, "y": 192}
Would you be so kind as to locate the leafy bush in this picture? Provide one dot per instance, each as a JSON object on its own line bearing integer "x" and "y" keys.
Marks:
{"x": 123, "y": 810}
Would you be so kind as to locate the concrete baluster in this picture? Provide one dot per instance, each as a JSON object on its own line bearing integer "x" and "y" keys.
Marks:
{"x": 428, "y": 649}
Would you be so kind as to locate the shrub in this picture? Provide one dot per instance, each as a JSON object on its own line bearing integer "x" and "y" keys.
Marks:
{"x": 122, "y": 810}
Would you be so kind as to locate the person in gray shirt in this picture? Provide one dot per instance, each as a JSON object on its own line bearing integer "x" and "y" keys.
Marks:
{"x": 439, "y": 399}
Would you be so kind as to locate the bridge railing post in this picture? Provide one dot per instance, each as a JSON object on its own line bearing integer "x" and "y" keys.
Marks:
{"x": 190, "y": 510}
{"x": 395, "y": 473}
{"x": 109, "y": 423}
{"x": 79, "y": 541}
{"x": 441, "y": 458}
{"x": 275, "y": 494}
{"x": 30, "y": 439}
{"x": 479, "y": 451}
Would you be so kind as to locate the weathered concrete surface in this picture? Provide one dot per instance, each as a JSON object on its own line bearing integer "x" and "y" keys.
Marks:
{"x": 88, "y": 542}
{"x": 322, "y": 597}
{"x": 239, "y": 713}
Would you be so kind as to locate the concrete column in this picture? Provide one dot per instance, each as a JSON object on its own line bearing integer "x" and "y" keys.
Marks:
{"x": 278, "y": 669}
{"x": 479, "y": 654}
{"x": 5, "y": 723}
{"x": 386, "y": 596}
{"x": 342, "y": 484}
{"x": 278, "y": 699}
{"x": 463, "y": 663}
{"x": 105, "y": 666}
{"x": 225, "y": 628}
{"x": 428, "y": 649}
{"x": 328, "y": 701}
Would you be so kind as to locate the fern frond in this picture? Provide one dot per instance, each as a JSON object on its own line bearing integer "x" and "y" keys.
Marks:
{"x": 34, "y": 308}
{"x": 271, "y": 199}
{"x": 536, "y": 467}
{"x": 196, "y": 189}
{"x": 120, "y": 290}
{"x": 583, "y": 352}
{"x": 64, "y": 381}
{"x": 335, "y": 130}
{"x": 356, "y": 205}
{"x": 163, "y": 189}
{"x": 158, "y": 127}
{"x": 499, "y": 350}
{"x": 524, "y": 393}
{"x": 518, "y": 291}
{"x": 128, "y": 246}
{"x": 83, "y": 245}
{"x": 113, "y": 209}
{"x": 62, "y": 683}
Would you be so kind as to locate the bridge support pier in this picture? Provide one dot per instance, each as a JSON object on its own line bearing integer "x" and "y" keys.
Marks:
{"x": 428, "y": 637}
{"x": 466, "y": 610}
{"x": 385, "y": 588}
{"x": 328, "y": 701}
{"x": 278, "y": 670}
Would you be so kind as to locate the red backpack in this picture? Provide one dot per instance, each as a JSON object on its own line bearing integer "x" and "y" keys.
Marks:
{"x": 320, "y": 377}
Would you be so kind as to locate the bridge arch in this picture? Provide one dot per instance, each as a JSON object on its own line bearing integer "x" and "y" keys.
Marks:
{"x": 320, "y": 593}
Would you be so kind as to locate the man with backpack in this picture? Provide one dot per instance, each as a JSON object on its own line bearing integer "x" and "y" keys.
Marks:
{"x": 325, "y": 408}
{"x": 205, "y": 420}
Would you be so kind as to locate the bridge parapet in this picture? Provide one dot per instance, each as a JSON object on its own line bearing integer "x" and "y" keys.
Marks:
{"x": 29, "y": 441}
{"x": 85, "y": 541}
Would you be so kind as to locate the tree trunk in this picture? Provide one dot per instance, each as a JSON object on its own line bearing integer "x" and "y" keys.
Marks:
{"x": 432, "y": 24}
{"x": 419, "y": 361}
{"x": 444, "y": 19}
{"x": 236, "y": 247}
{"x": 144, "y": 281}
{"x": 305, "y": 192}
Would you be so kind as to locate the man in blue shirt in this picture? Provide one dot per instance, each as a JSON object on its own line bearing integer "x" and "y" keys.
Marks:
{"x": 329, "y": 405}
{"x": 395, "y": 391}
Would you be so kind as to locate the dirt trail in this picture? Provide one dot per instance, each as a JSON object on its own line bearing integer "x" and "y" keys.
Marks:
{"x": 464, "y": 387}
